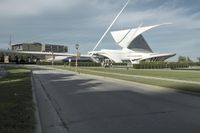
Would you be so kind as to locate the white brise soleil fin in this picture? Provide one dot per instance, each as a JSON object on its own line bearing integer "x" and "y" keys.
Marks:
{"x": 110, "y": 25}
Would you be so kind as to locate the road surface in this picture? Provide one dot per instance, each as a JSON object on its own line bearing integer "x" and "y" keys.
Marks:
{"x": 72, "y": 103}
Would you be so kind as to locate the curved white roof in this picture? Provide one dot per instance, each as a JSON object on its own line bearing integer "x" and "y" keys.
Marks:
{"x": 125, "y": 37}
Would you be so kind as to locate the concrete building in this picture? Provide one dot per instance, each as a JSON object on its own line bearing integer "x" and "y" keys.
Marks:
{"x": 38, "y": 47}
{"x": 55, "y": 48}
{"x": 39, "y": 51}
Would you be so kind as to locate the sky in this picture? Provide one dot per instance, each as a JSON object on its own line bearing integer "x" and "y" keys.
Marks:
{"x": 69, "y": 22}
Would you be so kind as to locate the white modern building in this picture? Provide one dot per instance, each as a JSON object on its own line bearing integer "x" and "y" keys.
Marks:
{"x": 134, "y": 48}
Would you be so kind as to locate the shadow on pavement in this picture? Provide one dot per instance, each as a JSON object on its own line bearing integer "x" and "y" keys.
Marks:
{"x": 90, "y": 105}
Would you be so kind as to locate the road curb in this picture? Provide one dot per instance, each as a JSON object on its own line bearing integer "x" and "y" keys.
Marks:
{"x": 50, "y": 120}
{"x": 37, "y": 114}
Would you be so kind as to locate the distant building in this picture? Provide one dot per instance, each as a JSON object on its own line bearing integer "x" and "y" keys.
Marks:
{"x": 27, "y": 47}
{"x": 55, "y": 48}
{"x": 38, "y": 47}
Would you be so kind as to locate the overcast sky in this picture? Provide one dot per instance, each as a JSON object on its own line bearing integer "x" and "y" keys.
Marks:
{"x": 84, "y": 21}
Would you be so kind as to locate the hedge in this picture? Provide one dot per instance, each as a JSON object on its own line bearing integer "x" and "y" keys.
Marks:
{"x": 82, "y": 64}
{"x": 160, "y": 65}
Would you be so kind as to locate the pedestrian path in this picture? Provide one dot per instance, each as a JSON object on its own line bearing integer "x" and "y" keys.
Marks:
{"x": 2, "y": 72}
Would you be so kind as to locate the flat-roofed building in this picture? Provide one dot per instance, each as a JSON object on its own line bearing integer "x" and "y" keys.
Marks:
{"x": 39, "y": 51}
{"x": 39, "y": 47}
{"x": 27, "y": 47}
{"x": 55, "y": 48}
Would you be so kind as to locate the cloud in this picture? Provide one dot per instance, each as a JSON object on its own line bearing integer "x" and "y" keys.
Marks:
{"x": 15, "y": 8}
{"x": 164, "y": 13}
{"x": 84, "y": 22}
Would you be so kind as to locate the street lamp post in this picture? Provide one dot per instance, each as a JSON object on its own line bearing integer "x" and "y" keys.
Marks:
{"x": 77, "y": 46}
{"x": 52, "y": 62}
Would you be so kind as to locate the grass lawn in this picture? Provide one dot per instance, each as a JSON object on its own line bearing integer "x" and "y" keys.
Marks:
{"x": 171, "y": 74}
{"x": 161, "y": 73}
{"x": 16, "y": 105}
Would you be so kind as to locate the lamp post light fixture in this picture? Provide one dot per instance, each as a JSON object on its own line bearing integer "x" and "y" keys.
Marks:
{"x": 77, "y": 46}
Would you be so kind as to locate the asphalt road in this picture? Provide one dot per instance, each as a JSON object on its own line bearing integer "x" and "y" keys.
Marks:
{"x": 73, "y": 103}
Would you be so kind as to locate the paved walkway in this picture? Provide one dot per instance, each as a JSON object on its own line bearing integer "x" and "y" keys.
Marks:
{"x": 2, "y": 72}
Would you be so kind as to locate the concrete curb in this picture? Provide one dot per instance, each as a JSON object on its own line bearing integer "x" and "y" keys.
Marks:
{"x": 37, "y": 114}
{"x": 50, "y": 120}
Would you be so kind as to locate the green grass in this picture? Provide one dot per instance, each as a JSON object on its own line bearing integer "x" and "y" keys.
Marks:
{"x": 16, "y": 105}
{"x": 171, "y": 74}
{"x": 160, "y": 73}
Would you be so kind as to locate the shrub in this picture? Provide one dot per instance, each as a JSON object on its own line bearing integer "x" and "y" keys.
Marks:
{"x": 160, "y": 65}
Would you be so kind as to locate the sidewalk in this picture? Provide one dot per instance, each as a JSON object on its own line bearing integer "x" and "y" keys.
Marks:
{"x": 2, "y": 72}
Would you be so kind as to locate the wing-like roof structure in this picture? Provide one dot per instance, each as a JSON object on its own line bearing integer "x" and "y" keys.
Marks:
{"x": 132, "y": 38}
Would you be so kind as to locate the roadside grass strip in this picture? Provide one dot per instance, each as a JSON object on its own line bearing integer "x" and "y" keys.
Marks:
{"x": 175, "y": 81}
{"x": 16, "y": 105}
{"x": 160, "y": 73}
{"x": 169, "y": 83}
{"x": 147, "y": 77}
